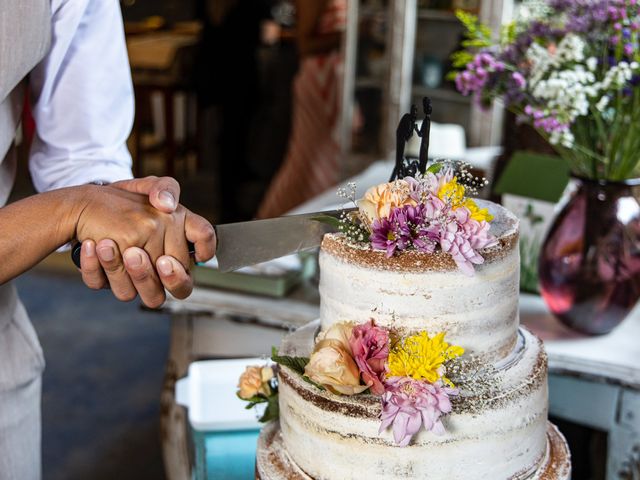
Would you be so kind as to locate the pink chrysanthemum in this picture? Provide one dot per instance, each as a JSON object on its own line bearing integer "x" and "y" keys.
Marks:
{"x": 463, "y": 236}
{"x": 409, "y": 404}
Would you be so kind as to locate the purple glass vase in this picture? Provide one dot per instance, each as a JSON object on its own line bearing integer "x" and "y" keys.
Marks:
{"x": 589, "y": 266}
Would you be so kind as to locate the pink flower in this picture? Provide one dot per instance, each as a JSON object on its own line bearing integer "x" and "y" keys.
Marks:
{"x": 370, "y": 349}
{"x": 409, "y": 404}
{"x": 463, "y": 236}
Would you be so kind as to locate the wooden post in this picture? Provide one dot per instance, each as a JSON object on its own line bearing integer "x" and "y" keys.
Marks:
{"x": 401, "y": 48}
{"x": 173, "y": 419}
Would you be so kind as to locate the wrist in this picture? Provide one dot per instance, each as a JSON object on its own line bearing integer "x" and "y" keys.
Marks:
{"x": 76, "y": 200}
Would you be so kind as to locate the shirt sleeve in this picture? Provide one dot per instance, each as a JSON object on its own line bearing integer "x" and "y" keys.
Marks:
{"x": 82, "y": 98}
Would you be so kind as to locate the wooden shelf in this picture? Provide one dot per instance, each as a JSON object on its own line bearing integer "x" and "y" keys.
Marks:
{"x": 369, "y": 82}
{"x": 443, "y": 94}
{"x": 439, "y": 15}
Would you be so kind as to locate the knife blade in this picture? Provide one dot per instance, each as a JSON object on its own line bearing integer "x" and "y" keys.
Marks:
{"x": 247, "y": 243}
{"x": 242, "y": 244}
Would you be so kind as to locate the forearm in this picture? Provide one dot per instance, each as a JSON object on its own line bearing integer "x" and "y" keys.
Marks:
{"x": 32, "y": 228}
{"x": 319, "y": 44}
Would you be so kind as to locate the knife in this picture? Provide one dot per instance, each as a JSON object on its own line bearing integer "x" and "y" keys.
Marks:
{"x": 242, "y": 244}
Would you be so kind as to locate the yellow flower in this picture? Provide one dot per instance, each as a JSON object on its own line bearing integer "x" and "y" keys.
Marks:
{"x": 255, "y": 381}
{"x": 422, "y": 357}
{"x": 477, "y": 213}
{"x": 380, "y": 199}
{"x": 452, "y": 192}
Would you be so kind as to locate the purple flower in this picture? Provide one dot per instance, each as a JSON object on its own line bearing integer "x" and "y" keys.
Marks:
{"x": 628, "y": 49}
{"x": 519, "y": 80}
{"x": 408, "y": 405}
{"x": 386, "y": 235}
{"x": 391, "y": 233}
{"x": 409, "y": 226}
{"x": 477, "y": 73}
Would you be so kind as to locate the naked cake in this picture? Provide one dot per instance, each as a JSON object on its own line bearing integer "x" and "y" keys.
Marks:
{"x": 417, "y": 367}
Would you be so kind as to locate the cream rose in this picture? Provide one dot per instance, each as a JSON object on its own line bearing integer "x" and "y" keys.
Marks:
{"x": 255, "y": 381}
{"x": 380, "y": 199}
{"x": 332, "y": 366}
{"x": 338, "y": 331}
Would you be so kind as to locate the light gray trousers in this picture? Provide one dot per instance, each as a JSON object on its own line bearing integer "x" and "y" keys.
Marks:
{"x": 21, "y": 366}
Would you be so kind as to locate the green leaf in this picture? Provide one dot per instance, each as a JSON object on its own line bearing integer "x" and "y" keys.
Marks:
{"x": 328, "y": 220}
{"x": 296, "y": 364}
{"x": 434, "y": 167}
{"x": 461, "y": 59}
{"x": 272, "y": 412}
{"x": 308, "y": 380}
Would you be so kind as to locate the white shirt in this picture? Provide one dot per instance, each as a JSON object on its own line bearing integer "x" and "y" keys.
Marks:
{"x": 82, "y": 98}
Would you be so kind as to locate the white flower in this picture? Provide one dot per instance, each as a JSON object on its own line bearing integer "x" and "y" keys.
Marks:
{"x": 602, "y": 103}
{"x": 592, "y": 63}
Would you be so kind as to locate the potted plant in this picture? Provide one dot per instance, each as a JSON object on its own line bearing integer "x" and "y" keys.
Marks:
{"x": 570, "y": 69}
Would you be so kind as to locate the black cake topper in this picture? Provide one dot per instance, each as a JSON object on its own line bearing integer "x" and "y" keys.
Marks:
{"x": 405, "y": 167}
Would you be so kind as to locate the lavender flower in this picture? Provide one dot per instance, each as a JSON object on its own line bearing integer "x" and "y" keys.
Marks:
{"x": 408, "y": 405}
{"x": 476, "y": 76}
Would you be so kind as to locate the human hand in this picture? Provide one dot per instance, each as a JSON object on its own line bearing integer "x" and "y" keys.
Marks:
{"x": 151, "y": 267}
{"x": 99, "y": 271}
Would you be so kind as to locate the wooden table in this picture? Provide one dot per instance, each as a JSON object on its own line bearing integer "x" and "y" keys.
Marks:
{"x": 594, "y": 381}
{"x": 219, "y": 324}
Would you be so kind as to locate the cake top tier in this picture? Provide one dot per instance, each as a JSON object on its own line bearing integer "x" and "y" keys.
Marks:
{"x": 412, "y": 291}
{"x": 503, "y": 226}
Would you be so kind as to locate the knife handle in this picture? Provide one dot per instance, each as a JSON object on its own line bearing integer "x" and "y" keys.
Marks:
{"x": 77, "y": 248}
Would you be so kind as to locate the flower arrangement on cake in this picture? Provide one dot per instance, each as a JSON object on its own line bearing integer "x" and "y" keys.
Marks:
{"x": 259, "y": 385}
{"x": 569, "y": 68}
{"x": 425, "y": 212}
{"x": 408, "y": 374}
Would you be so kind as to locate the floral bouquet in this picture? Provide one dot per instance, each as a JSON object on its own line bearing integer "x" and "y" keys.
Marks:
{"x": 570, "y": 69}
{"x": 409, "y": 374}
{"x": 425, "y": 213}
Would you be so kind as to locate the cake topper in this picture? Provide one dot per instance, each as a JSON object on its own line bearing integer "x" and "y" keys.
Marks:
{"x": 425, "y": 130}
{"x": 405, "y": 167}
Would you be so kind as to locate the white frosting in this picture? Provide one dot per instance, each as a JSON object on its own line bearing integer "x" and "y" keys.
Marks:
{"x": 479, "y": 313}
{"x": 504, "y": 440}
{"x": 274, "y": 463}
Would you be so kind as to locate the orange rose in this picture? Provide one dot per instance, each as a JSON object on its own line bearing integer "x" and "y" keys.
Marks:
{"x": 379, "y": 200}
{"x": 333, "y": 367}
{"x": 255, "y": 381}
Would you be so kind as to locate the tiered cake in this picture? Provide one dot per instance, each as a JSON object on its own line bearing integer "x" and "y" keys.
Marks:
{"x": 497, "y": 426}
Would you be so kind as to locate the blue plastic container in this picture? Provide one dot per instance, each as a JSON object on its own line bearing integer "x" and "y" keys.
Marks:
{"x": 224, "y": 433}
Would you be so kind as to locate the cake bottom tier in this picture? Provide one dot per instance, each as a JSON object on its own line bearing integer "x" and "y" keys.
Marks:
{"x": 497, "y": 430}
{"x": 274, "y": 463}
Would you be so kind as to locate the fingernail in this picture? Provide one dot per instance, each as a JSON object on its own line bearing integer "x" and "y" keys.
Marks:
{"x": 165, "y": 266}
{"x": 89, "y": 248}
{"x": 133, "y": 259}
{"x": 167, "y": 199}
{"x": 106, "y": 253}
